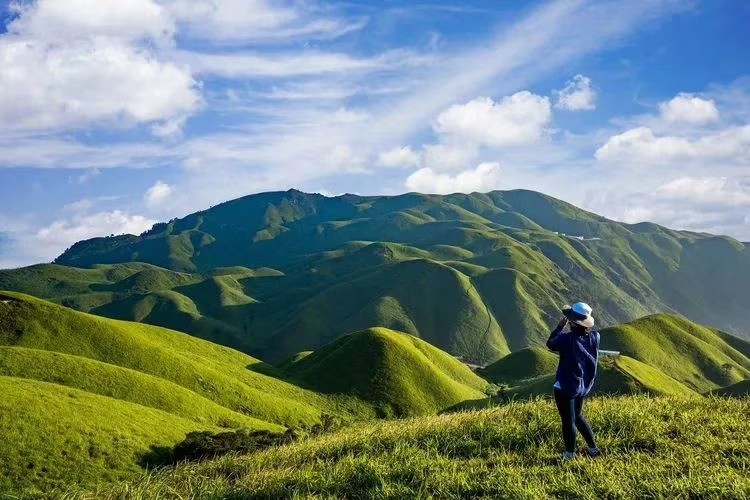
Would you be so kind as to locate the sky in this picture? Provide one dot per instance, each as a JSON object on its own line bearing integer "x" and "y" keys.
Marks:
{"x": 117, "y": 114}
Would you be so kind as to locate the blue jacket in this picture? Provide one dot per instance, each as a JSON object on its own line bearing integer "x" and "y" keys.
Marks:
{"x": 578, "y": 359}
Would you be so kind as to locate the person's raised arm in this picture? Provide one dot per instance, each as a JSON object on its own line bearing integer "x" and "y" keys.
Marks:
{"x": 554, "y": 342}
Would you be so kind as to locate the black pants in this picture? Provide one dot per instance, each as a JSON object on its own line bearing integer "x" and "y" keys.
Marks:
{"x": 572, "y": 418}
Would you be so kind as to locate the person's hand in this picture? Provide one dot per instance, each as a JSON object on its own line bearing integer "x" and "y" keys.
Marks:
{"x": 562, "y": 323}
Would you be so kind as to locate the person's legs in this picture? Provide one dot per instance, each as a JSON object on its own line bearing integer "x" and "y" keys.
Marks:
{"x": 582, "y": 424}
{"x": 566, "y": 408}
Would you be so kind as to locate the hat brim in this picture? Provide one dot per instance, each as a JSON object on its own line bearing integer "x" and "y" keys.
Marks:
{"x": 579, "y": 319}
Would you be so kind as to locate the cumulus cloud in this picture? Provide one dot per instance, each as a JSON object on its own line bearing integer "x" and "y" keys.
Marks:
{"x": 577, "y": 95}
{"x": 516, "y": 120}
{"x": 485, "y": 177}
{"x": 716, "y": 191}
{"x": 449, "y": 157}
{"x": 69, "y": 64}
{"x": 157, "y": 194}
{"x": 62, "y": 233}
{"x": 399, "y": 157}
{"x": 642, "y": 145}
{"x": 688, "y": 108}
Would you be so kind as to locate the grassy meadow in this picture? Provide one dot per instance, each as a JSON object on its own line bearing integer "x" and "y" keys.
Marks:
{"x": 653, "y": 448}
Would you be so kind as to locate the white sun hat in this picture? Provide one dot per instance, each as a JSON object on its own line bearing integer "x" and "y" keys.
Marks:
{"x": 579, "y": 313}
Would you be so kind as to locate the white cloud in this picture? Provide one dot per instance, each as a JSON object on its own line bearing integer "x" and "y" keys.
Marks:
{"x": 687, "y": 108}
{"x": 485, "y": 177}
{"x": 244, "y": 64}
{"x": 232, "y": 21}
{"x": 157, "y": 194}
{"x": 518, "y": 119}
{"x": 642, "y": 146}
{"x": 399, "y": 157}
{"x": 56, "y": 237}
{"x": 716, "y": 191}
{"x": 577, "y": 95}
{"x": 65, "y": 21}
{"x": 449, "y": 157}
{"x": 70, "y": 64}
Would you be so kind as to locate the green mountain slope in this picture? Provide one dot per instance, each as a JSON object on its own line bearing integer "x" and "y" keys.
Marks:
{"x": 162, "y": 358}
{"x": 739, "y": 389}
{"x": 622, "y": 375}
{"x": 511, "y": 451}
{"x": 697, "y": 356}
{"x": 277, "y": 273}
{"x": 58, "y": 437}
{"x": 521, "y": 365}
{"x": 660, "y": 354}
{"x": 401, "y": 374}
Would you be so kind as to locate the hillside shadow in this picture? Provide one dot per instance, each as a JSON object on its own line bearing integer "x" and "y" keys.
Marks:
{"x": 157, "y": 456}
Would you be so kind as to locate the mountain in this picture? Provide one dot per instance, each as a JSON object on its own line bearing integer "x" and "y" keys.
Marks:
{"x": 401, "y": 374}
{"x": 478, "y": 275}
{"x": 511, "y": 451}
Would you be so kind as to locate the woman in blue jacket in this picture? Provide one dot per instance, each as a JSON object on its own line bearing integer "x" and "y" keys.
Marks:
{"x": 579, "y": 352}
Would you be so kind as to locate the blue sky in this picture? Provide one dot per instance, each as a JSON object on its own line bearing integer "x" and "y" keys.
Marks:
{"x": 114, "y": 115}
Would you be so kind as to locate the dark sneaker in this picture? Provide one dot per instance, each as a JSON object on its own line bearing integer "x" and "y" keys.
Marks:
{"x": 568, "y": 456}
{"x": 593, "y": 452}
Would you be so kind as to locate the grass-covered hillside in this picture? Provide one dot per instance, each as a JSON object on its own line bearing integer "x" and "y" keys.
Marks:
{"x": 660, "y": 354}
{"x": 477, "y": 275}
{"x": 521, "y": 365}
{"x": 87, "y": 399}
{"x": 653, "y": 448}
{"x": 700, "y": 357}
{"x": 399, "y": 373}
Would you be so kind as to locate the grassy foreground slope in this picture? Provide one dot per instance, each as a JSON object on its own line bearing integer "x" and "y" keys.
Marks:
{"x": 401, "y": 374}
{"x": 654, "y": 448}
{"x": 210, "y": 372}
{"x": 58, "y": 437}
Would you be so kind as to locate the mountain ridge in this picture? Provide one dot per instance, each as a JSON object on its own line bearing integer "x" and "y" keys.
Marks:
{"x": 497, "y": 267}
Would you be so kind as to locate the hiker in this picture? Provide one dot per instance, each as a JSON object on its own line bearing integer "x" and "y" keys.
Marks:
{"x": 579, "y": 352}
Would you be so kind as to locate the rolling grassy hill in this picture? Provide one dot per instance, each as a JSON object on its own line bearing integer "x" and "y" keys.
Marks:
{"x": 697, "y": 356}
{"x": 654, "y": 448}
{"x": 660, "y": 354}
{"x": 521, "y": 365}
{"x": 226, "y": 377}
{"x": 401, "y": 374}
{"x": 739, "y": 389}
{"x": 87, "y": 399}
{"x": 277, "y": 273}
{"x": 58, "y": 437}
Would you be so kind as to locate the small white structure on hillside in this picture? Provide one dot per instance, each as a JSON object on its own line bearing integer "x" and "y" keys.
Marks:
{"x": 614, "y": 354}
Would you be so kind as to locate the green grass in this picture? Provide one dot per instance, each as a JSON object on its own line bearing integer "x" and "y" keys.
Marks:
{"x": 739, "y": 389}
{"x": 654, "y": 448}
{"x": 695, "y": 355}
{"x": 615, "y": 376}
{"x": 60, "y": 437}
{"x": 121, "y": 383}
{"x": 521, "y": 365}
{"x": 226, "y": 377}
{"x": 399, "y": 373}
